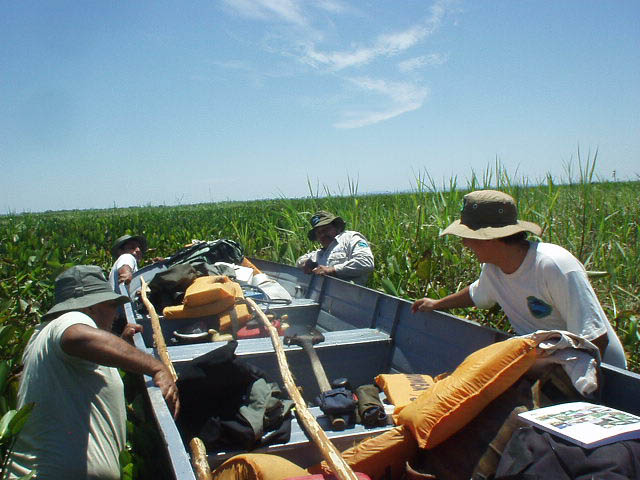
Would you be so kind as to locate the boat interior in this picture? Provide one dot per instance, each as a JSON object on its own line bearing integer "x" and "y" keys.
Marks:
{"x": 366, "y": 333}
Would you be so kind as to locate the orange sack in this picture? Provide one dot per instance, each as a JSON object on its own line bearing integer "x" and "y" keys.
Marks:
{"x": 257, "y": 466}
{"x": 206, "y": 296}
{"x": 378, "y": 456}
{"x": 452, "y": 402}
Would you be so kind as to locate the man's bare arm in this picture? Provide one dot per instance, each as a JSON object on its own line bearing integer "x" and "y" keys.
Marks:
{"x": 104, "y": 348}
{"x": 459, "y": 299}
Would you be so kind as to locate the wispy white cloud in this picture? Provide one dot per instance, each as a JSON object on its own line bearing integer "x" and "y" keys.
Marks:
{"x": 402, "y": 96}
{"x": 284, "y": 10}
{"x": 417, "y": 63}
{"x": 307, "y": 41}
{"x": 385, "y": 45}
{"x": 331, "y": 6}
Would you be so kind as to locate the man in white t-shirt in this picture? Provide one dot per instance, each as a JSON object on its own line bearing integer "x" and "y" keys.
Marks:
{"x": 128, "y": 251}
{"x": 77, "y": 426}
{"x": 540, "y": 286}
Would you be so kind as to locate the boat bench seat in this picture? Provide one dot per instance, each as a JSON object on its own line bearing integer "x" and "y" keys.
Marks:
{"x": 300, "y": 312}
{"x": 358, "y": 355}
{"x": 301, "y": 451}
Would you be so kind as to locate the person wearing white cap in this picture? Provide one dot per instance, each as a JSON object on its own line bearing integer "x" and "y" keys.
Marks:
{"x": 540, "y": 286}
{"x": 77, "y": 426}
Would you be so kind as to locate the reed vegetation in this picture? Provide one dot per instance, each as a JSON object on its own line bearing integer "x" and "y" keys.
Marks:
{"x": 595, "y": 220}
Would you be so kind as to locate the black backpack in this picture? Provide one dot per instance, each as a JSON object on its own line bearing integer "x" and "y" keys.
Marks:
{"x": 221, "y": 250}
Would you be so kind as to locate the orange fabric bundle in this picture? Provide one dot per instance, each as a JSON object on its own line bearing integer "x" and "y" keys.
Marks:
{"x": 257, "y": 466}
{"x": 449, "y": 404}
{"x": 207, "y": 290}
{"x": 377, "y": 456}
{"x": 402, "y": 388}
{"x": 206, "y": 296}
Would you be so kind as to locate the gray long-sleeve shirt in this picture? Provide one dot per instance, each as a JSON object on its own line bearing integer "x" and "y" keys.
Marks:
{"x": 349, "y": 254}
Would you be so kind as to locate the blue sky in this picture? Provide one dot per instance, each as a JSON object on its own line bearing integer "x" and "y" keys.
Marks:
{"x": 108, "y": 104}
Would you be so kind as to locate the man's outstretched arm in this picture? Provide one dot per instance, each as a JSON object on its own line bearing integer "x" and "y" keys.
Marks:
{"x": 104, "y": 348}
{"x": 460, "y": 299}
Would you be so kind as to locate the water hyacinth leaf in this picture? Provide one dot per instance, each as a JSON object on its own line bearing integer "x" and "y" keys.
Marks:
{"x": 138, "y": 407}
{"x": 5, "y": 421}
{"x": 20, "y": 418}
{"x": 125, "y": 456}
{"x": 4, "y": 374}
{"x": 23, "y": 305}
{"x": 6, "y": 334}
{"x": 27, "y": 334}
{"x": 423, "y": 269}
{"x": 389, "y": 287}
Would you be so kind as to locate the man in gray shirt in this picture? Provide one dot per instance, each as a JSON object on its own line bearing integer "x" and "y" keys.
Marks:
{"x": 344, "y": 254}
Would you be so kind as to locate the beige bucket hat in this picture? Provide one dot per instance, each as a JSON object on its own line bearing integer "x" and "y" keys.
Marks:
{"x": 489, "y": 214}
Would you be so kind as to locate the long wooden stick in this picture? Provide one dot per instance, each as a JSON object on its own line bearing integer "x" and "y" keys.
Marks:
{"x": 200, "y": 461}
{"x": 340, "y": 468}
{"x": 158, "y": 338}
{"x": 198, "y": 450}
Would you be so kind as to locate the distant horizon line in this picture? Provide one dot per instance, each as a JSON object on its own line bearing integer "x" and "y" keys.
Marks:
{"x": 308, "y": 197}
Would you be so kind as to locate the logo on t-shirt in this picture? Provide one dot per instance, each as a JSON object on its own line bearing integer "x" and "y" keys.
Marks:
{"x": 538, "y": 308}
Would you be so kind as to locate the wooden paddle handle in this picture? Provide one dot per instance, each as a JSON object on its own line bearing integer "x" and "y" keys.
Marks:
{"x": 200, "y": 461}
{"x": 318, "y": 370}
{"x": 198, "y": 450}
{"x": 338, "y": 465}
{"x": 158, "y": 338}
{"x": 337, "y": 422}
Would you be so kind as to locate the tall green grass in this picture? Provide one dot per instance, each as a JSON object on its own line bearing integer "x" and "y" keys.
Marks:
{"x": 597, "y": 221}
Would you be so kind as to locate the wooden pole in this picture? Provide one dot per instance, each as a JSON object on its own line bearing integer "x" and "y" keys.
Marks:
{"x": 340, "y": 468}
{"x": 200, "y": 461}
{"x": 158, "y": 338}
{"x": 198, "y": 450}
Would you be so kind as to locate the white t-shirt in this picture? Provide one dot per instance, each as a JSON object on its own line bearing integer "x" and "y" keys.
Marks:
{"x": 124, "y": 259}
{"x": 549, "y": 291}
{"x": 77, "y": 427}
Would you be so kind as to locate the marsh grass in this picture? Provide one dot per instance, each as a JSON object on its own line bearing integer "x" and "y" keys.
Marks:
{"x": 595, "y": 220}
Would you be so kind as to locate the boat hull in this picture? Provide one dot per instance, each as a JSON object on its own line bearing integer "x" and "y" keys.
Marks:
{"x": 368, "y": 332}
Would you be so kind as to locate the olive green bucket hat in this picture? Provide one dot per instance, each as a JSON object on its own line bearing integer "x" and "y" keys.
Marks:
{"x": 80, "y": 287}
{"x": 489, "y": 214}
{"x": 322, "y": 218}
{"x": 120, "y": 242}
